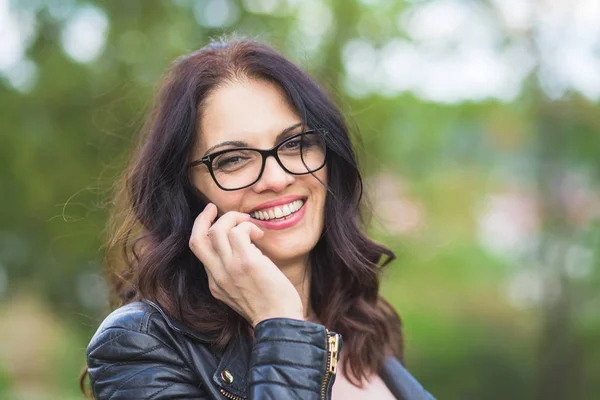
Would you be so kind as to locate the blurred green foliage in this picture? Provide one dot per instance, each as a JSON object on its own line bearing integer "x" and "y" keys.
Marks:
{"x": 490, "y": 311}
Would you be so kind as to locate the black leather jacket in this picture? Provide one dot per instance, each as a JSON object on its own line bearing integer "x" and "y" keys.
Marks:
{"x": 140, "y": 353}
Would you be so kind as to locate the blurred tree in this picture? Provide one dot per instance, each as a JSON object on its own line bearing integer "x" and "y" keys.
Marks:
{"x": 479, "y": 148}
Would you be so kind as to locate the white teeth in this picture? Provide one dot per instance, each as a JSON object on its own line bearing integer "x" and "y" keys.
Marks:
{"x": 297, "y": 204}
{"x": 278, "y": 212}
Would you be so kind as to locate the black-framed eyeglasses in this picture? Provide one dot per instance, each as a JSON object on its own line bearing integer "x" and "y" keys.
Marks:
{"x": 238, "y": 168}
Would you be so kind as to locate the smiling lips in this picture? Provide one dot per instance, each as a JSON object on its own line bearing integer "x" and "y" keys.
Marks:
{"x": 277, "y": 212}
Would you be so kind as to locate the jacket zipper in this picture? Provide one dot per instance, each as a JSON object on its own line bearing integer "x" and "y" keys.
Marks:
{"x": 231, "y": 396}
{"x": 332, "y": 358}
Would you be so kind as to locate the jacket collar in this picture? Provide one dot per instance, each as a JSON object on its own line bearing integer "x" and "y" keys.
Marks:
{"x": 179, "y": 326}
{"x": 235, "y": 358}
{"x": 400, "y": 382}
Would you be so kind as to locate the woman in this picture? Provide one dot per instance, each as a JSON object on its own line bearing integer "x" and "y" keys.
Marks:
{"x": 244, "y": 262}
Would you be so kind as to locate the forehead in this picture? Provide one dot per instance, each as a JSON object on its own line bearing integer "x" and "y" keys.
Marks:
{"x": 254, "y": 111}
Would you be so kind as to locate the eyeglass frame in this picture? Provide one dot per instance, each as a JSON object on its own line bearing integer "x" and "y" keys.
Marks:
{"x": 208, "y": 159}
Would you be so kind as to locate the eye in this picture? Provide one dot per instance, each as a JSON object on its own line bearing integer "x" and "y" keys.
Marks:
{"x": 235, "y": 160}
{"x": 231, "y": 161}
{"x": 292, "y": 144}
{"x": 228, "y": 161}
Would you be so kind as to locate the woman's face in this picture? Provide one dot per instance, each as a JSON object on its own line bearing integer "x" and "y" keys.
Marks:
{"x": 256, "y": 112}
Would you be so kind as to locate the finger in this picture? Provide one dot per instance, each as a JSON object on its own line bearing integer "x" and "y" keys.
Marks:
{"x": 213, "y": 286}
{"x": 199, "y": 241}
{"x": 250, "y": 231}
{"x": 241, "y": 238}
{"x": 220, "y": 229}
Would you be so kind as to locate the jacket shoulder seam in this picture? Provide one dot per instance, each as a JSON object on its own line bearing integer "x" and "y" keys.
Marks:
{"x": 107, "y": 367}
{"x": 134, "y": 356}
{"x": 152, "y": 335}
{"x": 97, "y": 346}
{"x": 144, "y": 329}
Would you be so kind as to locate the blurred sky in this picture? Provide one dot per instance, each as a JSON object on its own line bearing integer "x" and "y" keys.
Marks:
{"x": 453, "y": 51}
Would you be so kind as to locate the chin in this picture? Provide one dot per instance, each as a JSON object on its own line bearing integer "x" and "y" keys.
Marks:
{"x": 285, "y": 250}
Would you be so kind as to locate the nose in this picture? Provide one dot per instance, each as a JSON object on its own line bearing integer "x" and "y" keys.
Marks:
{"x": 273, "y": 178}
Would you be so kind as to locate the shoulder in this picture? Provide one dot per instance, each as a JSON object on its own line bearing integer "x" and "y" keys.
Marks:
{"x": 133, "y": 329}
{"x": 134, "y": 318}
{"x": 125, "y": 331}
{"x": 135, "y": 353}
{"x": 147, "y": 317}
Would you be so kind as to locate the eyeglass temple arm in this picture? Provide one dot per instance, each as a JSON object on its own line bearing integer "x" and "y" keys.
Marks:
{"x": 203, "y": 160}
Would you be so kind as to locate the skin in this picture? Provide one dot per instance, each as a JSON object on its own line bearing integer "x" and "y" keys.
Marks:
{"x": 252, "y": 269}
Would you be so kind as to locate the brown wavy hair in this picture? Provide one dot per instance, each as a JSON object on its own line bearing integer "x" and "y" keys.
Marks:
{"x": 155, "y": 204}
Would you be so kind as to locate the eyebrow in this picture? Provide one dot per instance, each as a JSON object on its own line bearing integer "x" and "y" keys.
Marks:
{"x": 238, "y": 143}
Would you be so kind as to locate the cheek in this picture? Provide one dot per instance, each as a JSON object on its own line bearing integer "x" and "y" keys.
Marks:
{"x": 321, "y": 187}
{"x": 225, "y": 201}
{"x": 319, "y": 191}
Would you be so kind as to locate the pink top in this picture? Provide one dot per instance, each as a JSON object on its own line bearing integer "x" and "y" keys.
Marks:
{"x": 343, "y": 389}
{"x": 373, "y": 388}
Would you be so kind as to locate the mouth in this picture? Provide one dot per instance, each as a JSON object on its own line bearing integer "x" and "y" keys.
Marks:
{"x": 278, "y": 213}
{"x": 281, "y": 216}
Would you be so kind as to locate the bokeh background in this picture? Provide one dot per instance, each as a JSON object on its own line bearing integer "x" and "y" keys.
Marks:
{"x": 480, "y": 127}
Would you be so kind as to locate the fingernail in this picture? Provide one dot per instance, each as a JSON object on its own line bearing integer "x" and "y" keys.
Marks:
{"x": 208, "y": 206}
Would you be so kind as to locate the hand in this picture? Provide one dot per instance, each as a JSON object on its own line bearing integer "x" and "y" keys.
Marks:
{"x": 239, "y": 274}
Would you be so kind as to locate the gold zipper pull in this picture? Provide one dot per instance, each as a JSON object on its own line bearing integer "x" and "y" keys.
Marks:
{"x": 333, "y": 347}
{"x": 333, "y": 353}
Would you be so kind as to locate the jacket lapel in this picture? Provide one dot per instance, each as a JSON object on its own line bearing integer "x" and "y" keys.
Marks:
{"x": 178, "y": 326}
{"x": 236, "y": 362}
{"x": 401, "y": 383}
{"x": 235, "y": 359}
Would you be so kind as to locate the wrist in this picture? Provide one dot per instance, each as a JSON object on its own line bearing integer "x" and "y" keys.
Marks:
{"x": 289, "y": 314}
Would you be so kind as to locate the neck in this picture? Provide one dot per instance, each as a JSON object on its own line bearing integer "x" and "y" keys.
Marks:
{"x": 299, "y": 273}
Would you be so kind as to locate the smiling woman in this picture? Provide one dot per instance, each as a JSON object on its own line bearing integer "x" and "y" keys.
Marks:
{"x": 241, "y": 262}
{"x": 255, "y": 112}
